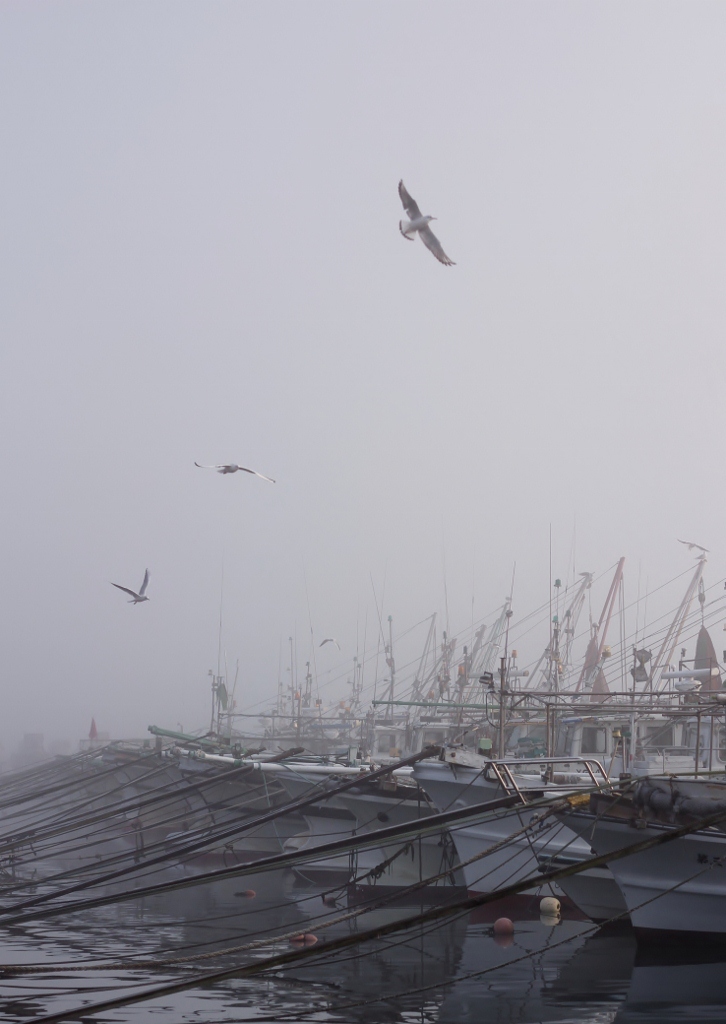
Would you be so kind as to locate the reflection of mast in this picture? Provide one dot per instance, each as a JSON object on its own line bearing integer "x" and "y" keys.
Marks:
{"x": 672, "y": 637}
{"x": 592, "y": 678}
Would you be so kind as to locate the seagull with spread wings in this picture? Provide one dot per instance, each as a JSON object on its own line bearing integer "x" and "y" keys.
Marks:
{"x": 329, "y": 640}
{"x": 232, "y": 467}
{"x": 690, "y": 545}
{"x": 141, "y": 596}
{"x": 418, "y": 224}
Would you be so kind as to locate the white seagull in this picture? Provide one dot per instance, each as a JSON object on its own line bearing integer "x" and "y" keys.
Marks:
{"x": 418, "y": 223}
{"x": 232, "y": 467}
{"x": 141, "y": 596}
{"x": 329, "y": 640}
{"x": 690, "y": 545}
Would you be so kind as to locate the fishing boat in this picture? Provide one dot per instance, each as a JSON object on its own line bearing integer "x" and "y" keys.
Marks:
{"x": 678, "y": 886}
{"x": 513, "y": 844}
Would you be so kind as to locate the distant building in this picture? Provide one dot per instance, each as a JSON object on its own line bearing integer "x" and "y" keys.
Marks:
{"x": 30, "y": 750}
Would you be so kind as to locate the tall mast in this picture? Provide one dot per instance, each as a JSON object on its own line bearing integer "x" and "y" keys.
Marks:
{"x": 570, "y": 619}
{"x": 672, "y": 637}
{"x": 279, "y": 683}
{"x": 591, "y": 670}
{"x": 390, "y": 661}
{"x": 419, "y": 679}
{"x": 485, "y": 650}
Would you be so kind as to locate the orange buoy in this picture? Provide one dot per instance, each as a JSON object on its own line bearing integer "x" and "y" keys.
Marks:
{"x": 329, "y": 901}
{"x": 306, "y": 939}
{"x": 503, "y": 932}
{"x": 247, "y": 894}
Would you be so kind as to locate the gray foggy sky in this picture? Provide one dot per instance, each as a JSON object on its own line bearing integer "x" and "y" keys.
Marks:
{"x": 201, "y": 260}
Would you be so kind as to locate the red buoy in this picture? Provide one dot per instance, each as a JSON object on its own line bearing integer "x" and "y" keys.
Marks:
{"x": 503, "y": 932}
{"x": 247, "y": 894}
{"x": 329, "y": 901}
{"x": 306, "y": 939}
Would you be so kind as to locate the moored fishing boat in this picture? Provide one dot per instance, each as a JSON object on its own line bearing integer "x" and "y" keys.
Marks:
{"x": 678, "y": 886}
{"x": 513, "y": 844}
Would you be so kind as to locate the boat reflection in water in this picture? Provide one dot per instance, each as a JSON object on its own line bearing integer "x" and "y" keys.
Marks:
{"x": 511, "y": 979}
{"x": 451, "y": 972}
{"x": 676, "y": 983}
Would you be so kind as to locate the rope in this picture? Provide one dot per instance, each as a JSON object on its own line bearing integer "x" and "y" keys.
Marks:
{"x": 258, "y": 943}
{"x": 434, "y": 914}
{"x": 486, "y": 970}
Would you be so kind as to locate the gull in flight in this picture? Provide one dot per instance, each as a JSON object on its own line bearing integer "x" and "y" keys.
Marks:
{"x": 690, "y": 545}
{"x": 418, "y": 223}
{"x": 329, "y": 640}
{"x": 231, "y": 467}
{"x": 141, "y": 596}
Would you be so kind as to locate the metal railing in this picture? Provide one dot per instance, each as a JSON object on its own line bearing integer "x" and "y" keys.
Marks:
{"x": 502, "y": 772}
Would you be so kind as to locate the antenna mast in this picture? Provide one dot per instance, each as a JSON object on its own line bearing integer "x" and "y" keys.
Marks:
{"x": 672, "y": 637}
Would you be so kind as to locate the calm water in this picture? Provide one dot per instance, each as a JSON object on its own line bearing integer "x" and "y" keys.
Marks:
{"x": 454, "y": 973}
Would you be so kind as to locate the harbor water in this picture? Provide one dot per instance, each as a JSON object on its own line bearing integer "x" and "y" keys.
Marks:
{"x": 453, "y": 971}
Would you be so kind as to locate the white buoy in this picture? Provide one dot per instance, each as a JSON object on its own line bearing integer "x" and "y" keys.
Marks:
{"x": 550, "y": 906}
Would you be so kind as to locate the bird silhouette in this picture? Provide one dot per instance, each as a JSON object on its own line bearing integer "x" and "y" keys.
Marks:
{"x": 141, "y": 596}
{"x": 418, "y": 224}
{"x": 232, "y": 467}
{"x": 690, "y": 545}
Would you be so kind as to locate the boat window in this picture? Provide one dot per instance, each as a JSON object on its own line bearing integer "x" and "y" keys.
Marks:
{"x": 593, "y": 740}
{"x": 659, "y": 736}
{"x": 566, "y": 740}
{"x": 534, "y": 744}
{"x": 386, "y": 741}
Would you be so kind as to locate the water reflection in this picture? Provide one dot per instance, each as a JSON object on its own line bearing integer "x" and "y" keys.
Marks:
{"x": 454, "y": 973}
{"x": 676, "y": 983}
{"x": 510, "y": 981}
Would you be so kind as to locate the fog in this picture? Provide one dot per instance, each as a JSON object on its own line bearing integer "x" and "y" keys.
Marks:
{"x": 201, "y": 261}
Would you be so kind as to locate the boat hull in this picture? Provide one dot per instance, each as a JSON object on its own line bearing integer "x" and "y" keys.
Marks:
{"x": 513, "y": 860}
{"x": 674, "y": 888}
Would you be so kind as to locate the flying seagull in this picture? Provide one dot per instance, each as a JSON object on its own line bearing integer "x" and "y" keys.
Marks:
{"x": 329, "y": 640}
{"x": 141, "y": 596}
{"x": 418, "y": 223}
{"x": 690, "y": 545}
{"x": 233, "y": 468}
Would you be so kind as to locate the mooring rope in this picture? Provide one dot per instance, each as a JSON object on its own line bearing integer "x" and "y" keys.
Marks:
{"x": 433, "y": 914}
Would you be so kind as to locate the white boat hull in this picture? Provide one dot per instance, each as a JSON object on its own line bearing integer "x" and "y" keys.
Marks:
{"x": 675, "y": 887}
{"x": 595, "y": 894}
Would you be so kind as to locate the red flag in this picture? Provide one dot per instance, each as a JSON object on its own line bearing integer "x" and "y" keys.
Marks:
{"x": 93, "y": 734}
